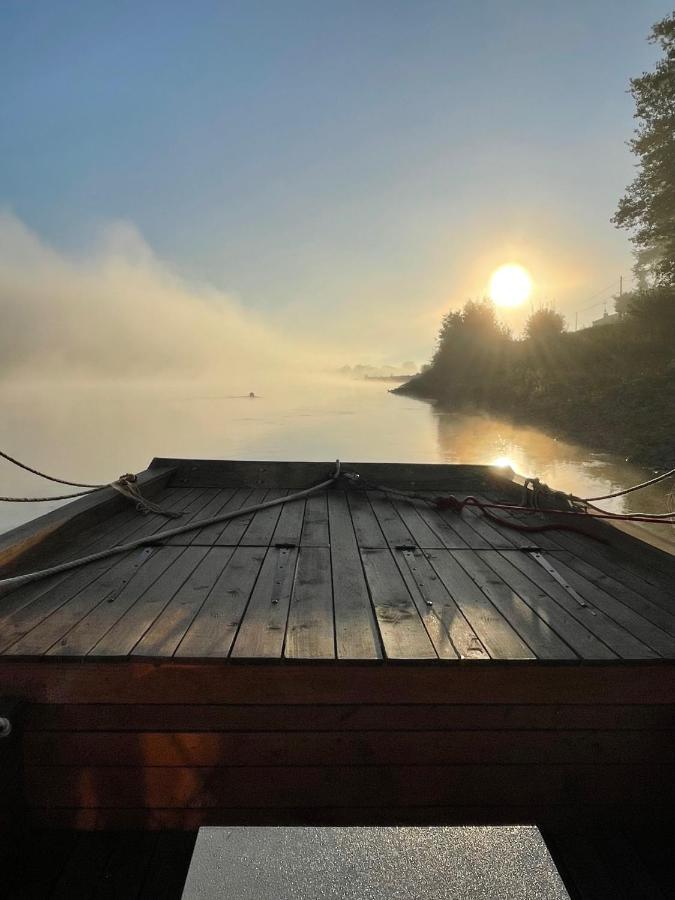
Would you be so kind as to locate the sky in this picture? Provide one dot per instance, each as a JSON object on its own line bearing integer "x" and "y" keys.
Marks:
{"x": 321, "y": 175}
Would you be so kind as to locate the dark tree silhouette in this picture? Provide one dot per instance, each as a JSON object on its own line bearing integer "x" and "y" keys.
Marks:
{"x": 648, "y": 207}
{"x": 544, "y": 325}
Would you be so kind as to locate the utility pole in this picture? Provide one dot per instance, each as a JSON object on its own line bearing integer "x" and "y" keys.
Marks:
{"x": 576, "y": 320}
{"x": 620, "y": 285}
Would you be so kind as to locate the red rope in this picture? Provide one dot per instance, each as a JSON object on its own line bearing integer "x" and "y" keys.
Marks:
{"x": 456, "y": 505}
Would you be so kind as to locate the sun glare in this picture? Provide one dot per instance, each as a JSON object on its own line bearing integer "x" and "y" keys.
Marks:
{"x": 510, "y": 285}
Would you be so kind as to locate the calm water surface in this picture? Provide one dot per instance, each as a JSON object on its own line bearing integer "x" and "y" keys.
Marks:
{"x": 96, "y": 433}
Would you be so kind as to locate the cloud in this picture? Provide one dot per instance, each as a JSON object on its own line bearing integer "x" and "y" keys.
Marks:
{"x": 121, "y": 312}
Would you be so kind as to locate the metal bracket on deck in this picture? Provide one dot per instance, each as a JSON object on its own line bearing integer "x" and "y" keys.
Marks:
{"x": 554, "y": 573}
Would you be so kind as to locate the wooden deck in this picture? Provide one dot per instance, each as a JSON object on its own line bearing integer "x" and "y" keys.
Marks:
{"x": 351, "y": 657}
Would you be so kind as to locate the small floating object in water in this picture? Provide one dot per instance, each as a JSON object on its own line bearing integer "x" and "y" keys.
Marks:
{"x": 252, "y": 395}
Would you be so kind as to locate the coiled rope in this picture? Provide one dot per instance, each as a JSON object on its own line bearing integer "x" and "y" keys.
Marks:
{"x": 19, "y": 580}
{"x": 125, "y": 485}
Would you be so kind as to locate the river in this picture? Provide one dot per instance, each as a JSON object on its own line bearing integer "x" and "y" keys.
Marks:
{"x": 95, "y": 433}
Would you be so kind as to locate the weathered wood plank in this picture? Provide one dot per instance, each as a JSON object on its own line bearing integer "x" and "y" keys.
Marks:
{"x": 493, "y": 630}
{"x": 403, "y": 633}
{"x": 636, "y": 601}
{"x": 123, "y": 636}
{"x": 643, "y": 630}
{"x": 356, "y": 633}
{"x": 215, "y": 626}
{"x": 618, "y": 639}
{"x": 534, "y": 630}
{"x": 154, "y": 576}
{"x": 209, "y": 534}
{"x": 579, "y": 638}
{"x": 420, "y": 531}
{"x": 393, "y": 528}
{"x": 234, "y": 530}
{"x": 259, "y": 532}
{"x": 315, "y": 524}
{"x": 289, "y": 526}
{"x": 366, "y": 527}
{"x": 167, "y": 630}
{"x": 451, "y": 634}
{"x": 15, "y": 608}
{"x": 310, "y": 633}
{"x": 263, "y": 628}
{"x": 442, "y": 528}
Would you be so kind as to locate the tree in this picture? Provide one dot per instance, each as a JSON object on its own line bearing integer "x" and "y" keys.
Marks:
{"x": 544, "y": 325}
{"x": 648, "y": 207}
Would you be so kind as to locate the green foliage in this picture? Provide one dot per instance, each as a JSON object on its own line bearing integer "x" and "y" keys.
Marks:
{"x": 648, "y": 207}
{"x": 544, "y": 326}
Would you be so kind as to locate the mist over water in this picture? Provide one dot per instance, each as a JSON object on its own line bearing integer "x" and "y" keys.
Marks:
{"x": 98, "y": 431}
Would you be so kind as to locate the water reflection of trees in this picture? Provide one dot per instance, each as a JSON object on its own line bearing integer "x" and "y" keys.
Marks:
{"x": 484, "y": 439}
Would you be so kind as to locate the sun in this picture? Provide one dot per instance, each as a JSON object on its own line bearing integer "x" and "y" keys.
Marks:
{"x": 510, "y": 285}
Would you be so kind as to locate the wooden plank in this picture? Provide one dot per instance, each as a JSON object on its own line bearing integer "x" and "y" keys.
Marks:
{"x": 209, "y": 534}
{"x": 91, "y": 681}
{"x": 259, "y": 532}
{"x": 462, "y": 526}
{"x": 153, "y": 576}
{"x": 315, "y": 523}
{"x": 533, "y": 629}
{"x": 451, "y": 634}
{"x": 262, "y": 630}
{"x": 310, "y": 633}
{"x": 572, "y": 631}
{"x": 213, "y": 629}
{"x": 233, "y": 717}
{"x": 295, "y": 475}
{"x": 403, "y": 633}
{"x": 289, "y": 526}
{"x": 618, "y": 639}
{"x": 639, "y": 603}
{"x": 28, "y": 605}
{"x": 393, "y": 528}
{"x": 168, "y": 629}
{"x": 654, "y": 637}
{"x": 498, "y": 537}
{"x": 193, "y": 512}
{"x": 233, "y": 531}
{"x": 49, "y": 624}
{"x": 356, "y": 634}
{"x": 314, "y": 748}
{"x": 441, "y": 527}
{"x": 316, "y": 786}
{"x": 420, "y": 531}
{"x": 47, "y": 534}
{"x": 123, "y": 636}
{"x": 493, "y": 630}
{"x": 366, "y": 527}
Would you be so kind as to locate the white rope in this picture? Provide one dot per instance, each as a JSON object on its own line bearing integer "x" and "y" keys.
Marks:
{"x": 19, "y": 580}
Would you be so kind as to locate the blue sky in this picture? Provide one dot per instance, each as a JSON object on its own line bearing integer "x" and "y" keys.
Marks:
{"x": 370, "y": 162}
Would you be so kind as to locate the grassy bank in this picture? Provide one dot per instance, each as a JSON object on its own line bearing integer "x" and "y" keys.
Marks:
{"x": 611, "y": 388}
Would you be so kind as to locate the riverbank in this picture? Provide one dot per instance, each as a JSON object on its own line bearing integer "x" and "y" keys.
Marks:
{"x": 633, "y": 419}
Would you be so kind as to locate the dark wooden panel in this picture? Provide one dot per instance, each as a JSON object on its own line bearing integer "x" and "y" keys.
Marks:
{"x": 343, "y": 748}
{"x": 393, "y": 528}
{"x": 366, "y": 526}
{"x": 315, "y": 524}
{"x": 274, "y": 474}
{"x": 460, "y": 814}
{"x": 315, "y": 786}
{"x": 447, "y": 682}
{"x": 354, "y": 717}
